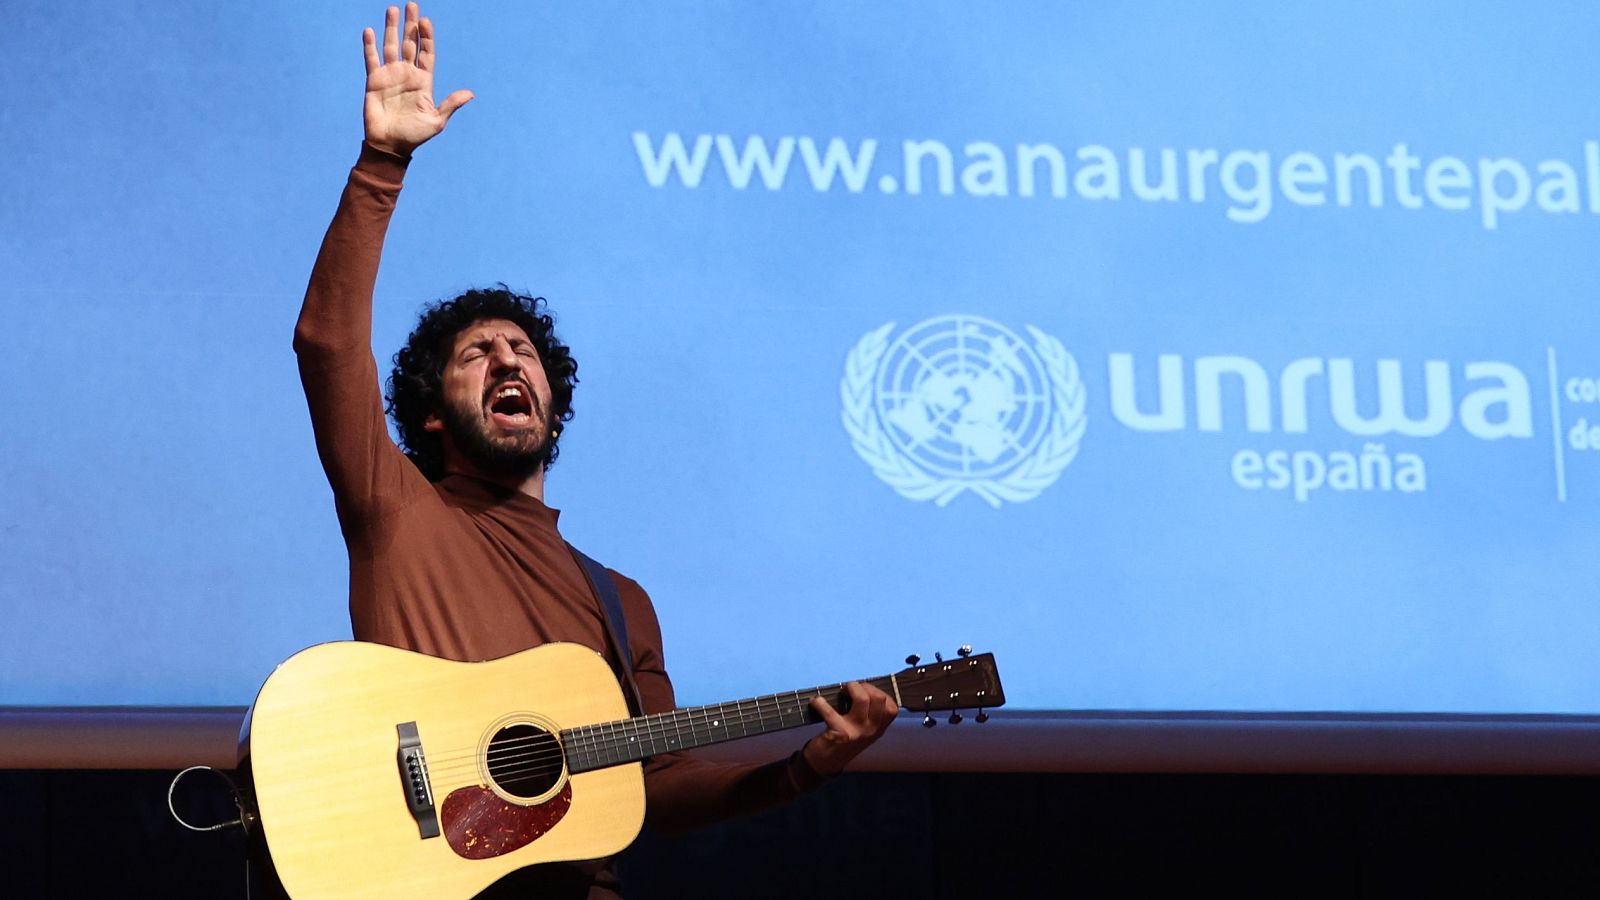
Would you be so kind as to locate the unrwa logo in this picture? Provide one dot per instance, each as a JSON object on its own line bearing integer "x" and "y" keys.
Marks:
{"x": 961, "y": 403}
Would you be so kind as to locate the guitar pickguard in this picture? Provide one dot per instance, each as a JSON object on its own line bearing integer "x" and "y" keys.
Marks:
{"x": 479, "y": 824}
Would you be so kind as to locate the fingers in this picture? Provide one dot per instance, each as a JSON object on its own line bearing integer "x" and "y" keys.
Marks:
{"x": 369, "y": 46}
{"x": 391, "y": 35}
{"x": 455, "y": 101}
{"x": 425, "y": 44}
{"x": 860, "y": 701}
{"x": 871, "y": 712}
{"x": 876, "y": 708}
{"x": 832, "y": 717}
{"x": 882, "y": 702}
{"x": 408, "y": 50}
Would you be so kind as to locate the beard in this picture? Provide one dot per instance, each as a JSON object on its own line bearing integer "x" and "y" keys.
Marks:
{"x": 518, "y": 454}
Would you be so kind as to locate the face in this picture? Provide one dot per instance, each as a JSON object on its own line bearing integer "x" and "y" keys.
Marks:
{"x": 496, "y": 403}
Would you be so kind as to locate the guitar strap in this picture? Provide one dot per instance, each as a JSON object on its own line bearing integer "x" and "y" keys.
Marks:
{"x": 616, "y": 623}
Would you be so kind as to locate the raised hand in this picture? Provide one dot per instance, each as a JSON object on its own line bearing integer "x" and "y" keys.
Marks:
{"x": 399, "y": 111}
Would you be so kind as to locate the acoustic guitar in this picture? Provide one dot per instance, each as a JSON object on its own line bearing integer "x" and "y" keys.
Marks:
{"x": 383, "y": 773}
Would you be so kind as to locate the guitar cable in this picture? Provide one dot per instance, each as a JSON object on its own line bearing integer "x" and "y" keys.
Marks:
{"x": 238, "y": 801}
{"x": 246, "y": 817}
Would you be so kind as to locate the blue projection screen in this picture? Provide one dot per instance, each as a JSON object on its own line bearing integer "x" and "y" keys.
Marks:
{"x": 1187, "y": 356}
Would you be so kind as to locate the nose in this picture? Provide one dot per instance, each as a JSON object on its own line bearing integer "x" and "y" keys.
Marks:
{"x": 504, "y": 359}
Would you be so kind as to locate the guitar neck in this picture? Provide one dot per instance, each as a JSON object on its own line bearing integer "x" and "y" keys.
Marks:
{"x": 605, "y": 744}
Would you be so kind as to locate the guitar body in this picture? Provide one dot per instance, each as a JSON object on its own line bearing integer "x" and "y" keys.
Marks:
{"x": 327, "y": 736}
{"x": 384, "y": 773}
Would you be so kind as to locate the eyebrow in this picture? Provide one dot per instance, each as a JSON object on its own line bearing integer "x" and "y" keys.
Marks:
{"x": 514, "y": 342}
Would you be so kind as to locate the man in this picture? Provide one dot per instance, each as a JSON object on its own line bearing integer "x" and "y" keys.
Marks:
{"x": 452, "y": 550}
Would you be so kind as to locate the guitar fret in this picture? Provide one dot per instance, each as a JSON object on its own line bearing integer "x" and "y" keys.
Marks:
{"x": 583, "y": 741}
{"x": 653, "y": 733}
{"x": 761, "y": 716}
{"x": 573, "y": 744}
{"x": 662, "y": 742}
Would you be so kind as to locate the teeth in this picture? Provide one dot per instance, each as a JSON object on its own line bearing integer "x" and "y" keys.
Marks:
{"x": 508, "y": 392}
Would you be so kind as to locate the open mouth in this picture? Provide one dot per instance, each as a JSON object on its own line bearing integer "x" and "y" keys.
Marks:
{"x": 511, "y": 405}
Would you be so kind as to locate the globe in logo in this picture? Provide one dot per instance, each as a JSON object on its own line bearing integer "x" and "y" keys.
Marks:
{"x": 961, "y": 403}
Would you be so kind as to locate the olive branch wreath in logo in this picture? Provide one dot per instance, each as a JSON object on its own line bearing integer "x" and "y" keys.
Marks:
{"x": 1024, "y": 482}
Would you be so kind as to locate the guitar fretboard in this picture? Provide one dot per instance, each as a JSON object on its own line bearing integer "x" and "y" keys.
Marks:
{"x": 604, "y": 744}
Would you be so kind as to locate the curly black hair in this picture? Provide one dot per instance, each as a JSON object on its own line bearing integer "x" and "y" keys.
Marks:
{"x": 415, "y": 390}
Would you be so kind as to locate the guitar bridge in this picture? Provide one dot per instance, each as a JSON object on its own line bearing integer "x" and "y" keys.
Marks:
{"x": 414, "y": 780}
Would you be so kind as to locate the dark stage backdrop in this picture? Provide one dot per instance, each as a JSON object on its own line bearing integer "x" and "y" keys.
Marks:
{"x": 1189, "y": 356}
{"x": 896, "y": 836}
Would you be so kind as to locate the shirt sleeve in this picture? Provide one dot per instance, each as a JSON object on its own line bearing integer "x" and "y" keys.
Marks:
{"x": 333, "y": 343}
{"x": 683, "y": 791}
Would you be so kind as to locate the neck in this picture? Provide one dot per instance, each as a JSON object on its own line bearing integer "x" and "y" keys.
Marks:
{"x": 532, "y": 485}
{"x": 606, "y": 744}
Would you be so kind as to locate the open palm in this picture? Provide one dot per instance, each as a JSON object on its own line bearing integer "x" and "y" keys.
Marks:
{"x": 399, "y": 111}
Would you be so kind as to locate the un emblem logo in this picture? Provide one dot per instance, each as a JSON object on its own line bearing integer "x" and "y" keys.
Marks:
{"x": 961, "y": 403}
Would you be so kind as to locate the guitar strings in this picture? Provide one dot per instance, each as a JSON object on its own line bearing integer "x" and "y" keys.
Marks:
{"x": 550, "y": 762}
{"x": 651, "y": 725}
{"x": 592, "y": 739}
{"x": 549, "y": 757}
{"x": 594, "y": 742}
{"x": 547, "y": 760}
{"x": 656, "y": 724}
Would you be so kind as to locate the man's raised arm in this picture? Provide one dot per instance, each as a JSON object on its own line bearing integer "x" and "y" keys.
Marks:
{"x": 333, "y": 337}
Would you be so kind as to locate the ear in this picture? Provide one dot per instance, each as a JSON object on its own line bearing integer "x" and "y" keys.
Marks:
{"x": 432, "y": 424}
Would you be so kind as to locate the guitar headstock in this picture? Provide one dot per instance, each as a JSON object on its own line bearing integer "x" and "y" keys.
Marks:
{"x": 967, "y": 682}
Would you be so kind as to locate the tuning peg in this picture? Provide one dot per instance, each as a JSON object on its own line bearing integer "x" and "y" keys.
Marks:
{"x": 982, "y": 716}
{"x": 965, "y": 651}
{"x": 938, "y": 657}
{"x": 913, "y": 659}
{"x": 927, "y": 720}
{"x": 955, "y": 718}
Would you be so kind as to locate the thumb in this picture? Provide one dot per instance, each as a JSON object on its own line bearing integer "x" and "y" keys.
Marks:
{"x": 454, "y": 102}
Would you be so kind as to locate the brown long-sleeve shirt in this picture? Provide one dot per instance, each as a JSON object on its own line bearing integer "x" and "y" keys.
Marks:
{"x": 465, "y": 569}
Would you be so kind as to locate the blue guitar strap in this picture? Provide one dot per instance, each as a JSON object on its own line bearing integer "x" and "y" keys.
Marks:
{"x": 616, "y": 623}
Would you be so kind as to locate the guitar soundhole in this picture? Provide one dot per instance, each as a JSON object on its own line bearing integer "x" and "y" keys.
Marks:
{"x": 524, "y": 760}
